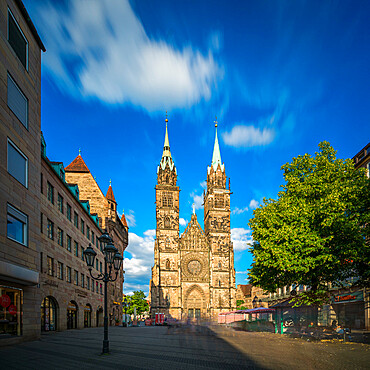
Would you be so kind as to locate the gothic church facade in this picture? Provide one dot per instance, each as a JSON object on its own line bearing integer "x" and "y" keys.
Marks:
{"x": 193, "y": 274}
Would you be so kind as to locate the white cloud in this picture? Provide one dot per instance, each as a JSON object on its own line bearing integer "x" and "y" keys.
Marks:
{"x": 242, "y": 136}
{"x": 241, "y": 238}
{"x": 197, "y": 200}
{"x": 130, "y": 218}
{"x": 138, "y": 266}
{"x": 105, "y": 53}
{"x": 241, "y": 272}
{"x": 203, "y": 184}
{"x": 253, "y": 204}
{"x": 183, "y": 222}
{"x": 238, "y": 211}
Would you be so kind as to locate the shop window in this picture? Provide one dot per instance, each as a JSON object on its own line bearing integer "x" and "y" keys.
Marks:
{"x": 50, "y": 192}
{"x": 17, "y": 102}
{"x": 17, "y": 164}
{"x": 10, "y": 311}
{"x": 17, "y": 40}
{"x": 87, "y": 316}
{"x": 60, "y": 204}
{"x": 48, "y": 314}
{"x": 17, "y": 225}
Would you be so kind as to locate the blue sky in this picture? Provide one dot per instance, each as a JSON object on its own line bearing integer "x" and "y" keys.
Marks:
{"x": 281, "y": 76}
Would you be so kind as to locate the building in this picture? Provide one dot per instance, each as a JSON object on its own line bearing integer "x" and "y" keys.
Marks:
{"x": 193, "y": 274}
{"x": 249, "y": 296}
{"x": 71, "y": 298}
{"x": 20, "y": 99}
{"x": 362, "y": 159}
{"x": 104, "y": 207}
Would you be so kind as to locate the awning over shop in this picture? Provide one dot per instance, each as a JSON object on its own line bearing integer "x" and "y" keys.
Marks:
{"x": 251, "y": 310}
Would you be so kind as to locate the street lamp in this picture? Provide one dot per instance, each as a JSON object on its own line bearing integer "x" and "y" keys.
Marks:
{"x": 126, "y": 304}
{"x": 112, "y": 259}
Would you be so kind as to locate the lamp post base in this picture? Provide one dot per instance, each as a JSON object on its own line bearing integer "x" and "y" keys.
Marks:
{"x": 105, "y": 347}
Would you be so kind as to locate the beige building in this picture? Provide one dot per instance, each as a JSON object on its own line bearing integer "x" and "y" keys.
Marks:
{"x": 193, "y": 274}
{"x": 71, "y": 298}
{"x": 249, "y": 296}
{"x": 20, "y": 99}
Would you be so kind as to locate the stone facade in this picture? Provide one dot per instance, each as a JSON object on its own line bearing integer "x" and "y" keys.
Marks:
{"x": 20, "y": 77}
{"x": 193, "y": 274}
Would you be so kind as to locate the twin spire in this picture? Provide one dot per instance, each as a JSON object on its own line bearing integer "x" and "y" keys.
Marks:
{"x": 167, "y": 158}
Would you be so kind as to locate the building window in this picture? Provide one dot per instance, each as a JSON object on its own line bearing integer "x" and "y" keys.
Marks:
{"x": 92, "y": 285}
{"x": 97, "y": 287}
{"x": 167, "y": 199}
{"x": 83, "y": 280}
{"x": 17, "y": 40}
{"x": 17, "y": 164}
{"x": 69, "y": 243}
{"x": 60, "y": 203}
{"x": 97, "y": 265}
{"x": 60, "y": 237}
{"x": 76, "y": 219}
{"x": 17, "y": 102}
{"x": 87, "y": 232}
{"x": 82, "y": 226}
{"x": 11, "y": 311}
{"x": 101, "y": 267}
{"x": 82, "y": 253}
{"x": 69, "y": 212}
{"x": 92, "y": 237}
{"x": 50, "y": 266}
{"x": 17, "y": 225}
{"x": 60, "y": 270}
{"x": 101, "y": 288}
{"x": 50, "y": 229}
{"x": 41, "y": 223}
{"x": 76, "y": 249}
{"x": 87, "y": 282}
{"x": 76, "y": 277}
{"x": 219, "y": 201}
{"x": 69, "y": 275}
{"x": 50, "y": 192}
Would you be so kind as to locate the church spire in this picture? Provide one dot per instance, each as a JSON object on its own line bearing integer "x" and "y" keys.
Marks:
{"x": 216, "y": 157}
{"x": 166, "y": 156}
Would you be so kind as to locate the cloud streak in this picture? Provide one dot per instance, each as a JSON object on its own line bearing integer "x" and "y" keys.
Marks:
{"x": 248, "y": 136}
{"x": 105, "y": 53}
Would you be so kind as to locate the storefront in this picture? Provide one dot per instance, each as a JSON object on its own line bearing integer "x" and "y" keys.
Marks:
{"x": 350, "y": 309}
{"x": 72, "y": 311}
{"x": 11, "y": 300}
{"x": 49, "y": 314}
{"x": 87, "y": 316}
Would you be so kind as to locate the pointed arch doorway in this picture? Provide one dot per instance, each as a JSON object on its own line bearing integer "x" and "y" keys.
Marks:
{"x": 195, "y": 303}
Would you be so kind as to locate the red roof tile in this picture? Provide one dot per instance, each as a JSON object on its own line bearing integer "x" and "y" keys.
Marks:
{"x": 110, "y": 195}
{"x": 77, "y": 165}
{"x": 123, "y": 220}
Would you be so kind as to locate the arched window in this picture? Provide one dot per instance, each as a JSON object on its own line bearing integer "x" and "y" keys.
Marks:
{"x": 48, "y": 314}
{"x": 168, "y": 264}
{"x": 167, "y": 222}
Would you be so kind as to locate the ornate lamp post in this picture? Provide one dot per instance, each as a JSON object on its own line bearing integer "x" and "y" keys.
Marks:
{"x": 126, "y": 304}
{"x": 112, "y": 260}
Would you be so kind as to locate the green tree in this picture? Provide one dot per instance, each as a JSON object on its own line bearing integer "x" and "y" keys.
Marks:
{"x": 137, "y": 300}
{"x": 316, "y": 231}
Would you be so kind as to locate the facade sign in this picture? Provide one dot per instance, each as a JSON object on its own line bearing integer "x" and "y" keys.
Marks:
{"x": 348, "y": 297}
{"x": 4, "y": 300}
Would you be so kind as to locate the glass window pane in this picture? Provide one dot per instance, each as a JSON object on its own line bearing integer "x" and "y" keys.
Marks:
{"x": 16, "y": 225}
{"x": 17, "y": 164}
{"x": 17, "y": 40}
{"x": 17, "y": 102}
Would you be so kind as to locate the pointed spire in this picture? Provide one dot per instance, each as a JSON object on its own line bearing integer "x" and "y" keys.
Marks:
{"x": 110, "y": 195}
{"x": 193, "y": 208}
{"x": 123, "y": 219}
{"x": 216, "y": 157}
{"x": 166, "y": 156}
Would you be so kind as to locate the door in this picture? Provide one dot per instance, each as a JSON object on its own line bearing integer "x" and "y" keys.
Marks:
{"x": 197, "y": 313}
{"x": 190, "y": 313}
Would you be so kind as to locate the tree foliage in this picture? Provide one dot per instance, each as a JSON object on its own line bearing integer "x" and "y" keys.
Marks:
{"x": 316, "y": 231}
{"x": 137, "y": 300}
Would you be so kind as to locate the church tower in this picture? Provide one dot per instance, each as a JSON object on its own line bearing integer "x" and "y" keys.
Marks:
{"x": 218, "y": 233}
{"x": 164, "y": 289}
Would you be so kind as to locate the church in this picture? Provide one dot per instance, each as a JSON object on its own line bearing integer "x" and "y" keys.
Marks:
{"x": 193, "y": 274}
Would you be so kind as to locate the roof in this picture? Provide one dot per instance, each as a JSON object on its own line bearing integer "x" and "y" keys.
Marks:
{"x": 245, "y": 288}
{"x": 123, "y": 220}
{"x": 166, "y": 156}
{"x": 27, "y": 18}
{"x": 110, "y": 195}
{"x": 216, "y": 157}
{"x": 77, "y": 165}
